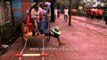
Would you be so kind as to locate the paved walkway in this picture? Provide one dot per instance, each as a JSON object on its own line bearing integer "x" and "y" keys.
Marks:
{"x": 84, "y": 41}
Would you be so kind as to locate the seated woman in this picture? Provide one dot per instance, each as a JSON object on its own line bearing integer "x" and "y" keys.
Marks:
{"x": 43, "y": 27}
{"x": 36, "y": 13}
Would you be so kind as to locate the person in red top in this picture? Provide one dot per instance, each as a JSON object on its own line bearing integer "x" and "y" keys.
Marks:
{"x": 100, "y": 13}
{"x": 35, "y": 15}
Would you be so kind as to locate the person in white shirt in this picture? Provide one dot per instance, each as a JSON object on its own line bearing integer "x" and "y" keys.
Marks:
{"x": 36, "y": 14}
{"x": 66, "y": 14}
{"x": 55, "y": 12}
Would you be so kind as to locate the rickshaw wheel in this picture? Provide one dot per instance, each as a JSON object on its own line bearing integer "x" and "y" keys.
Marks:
{"x": 22, "y": 33}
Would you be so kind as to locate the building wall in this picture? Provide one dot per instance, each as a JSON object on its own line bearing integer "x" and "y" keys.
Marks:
{"x": 5, "y": 13}
{"x": 19, "y": 9}
{"x": 2, "y": 16}
{"x": 26, "y": 4}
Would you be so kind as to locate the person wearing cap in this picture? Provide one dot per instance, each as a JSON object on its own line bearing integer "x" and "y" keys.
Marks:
{"x": 44, "y": 29}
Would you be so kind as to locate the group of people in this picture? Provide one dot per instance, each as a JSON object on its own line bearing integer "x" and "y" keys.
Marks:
{"x": 39, "y": 17}
{"x": 96, "y": 13}
{"x": 57, "y": 13}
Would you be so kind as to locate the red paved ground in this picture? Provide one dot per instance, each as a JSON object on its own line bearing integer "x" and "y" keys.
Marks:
{"x": 85, "y": 40}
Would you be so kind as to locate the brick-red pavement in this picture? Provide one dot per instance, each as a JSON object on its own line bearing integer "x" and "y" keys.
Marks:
{"x": 84, "y": 41}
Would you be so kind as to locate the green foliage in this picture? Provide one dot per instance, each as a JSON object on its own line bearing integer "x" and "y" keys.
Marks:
{"x": 104, "y": 1}
{"x": 65, "y": 3}
{"x": 62, "y": 3}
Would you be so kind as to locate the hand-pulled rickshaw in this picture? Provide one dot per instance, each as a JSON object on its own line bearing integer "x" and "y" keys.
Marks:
{"x": 27, "y": 34}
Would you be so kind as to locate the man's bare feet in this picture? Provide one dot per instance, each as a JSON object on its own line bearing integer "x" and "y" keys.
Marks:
{"x": 61, "y": 43}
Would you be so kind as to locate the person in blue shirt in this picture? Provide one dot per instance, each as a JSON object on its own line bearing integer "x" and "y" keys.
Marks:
{"x": 44, "y": 29}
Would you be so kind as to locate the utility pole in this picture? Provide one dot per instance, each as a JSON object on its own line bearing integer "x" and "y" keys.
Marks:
{"x": 70, "y": 7}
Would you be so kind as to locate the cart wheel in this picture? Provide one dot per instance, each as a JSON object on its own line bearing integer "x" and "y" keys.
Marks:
{"x": 22, "y": 33}
{"x": 23, "y": 38}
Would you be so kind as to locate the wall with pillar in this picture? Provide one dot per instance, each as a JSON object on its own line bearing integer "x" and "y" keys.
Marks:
{"x": 19, "y": 9}
{"x": 26, "y": 4}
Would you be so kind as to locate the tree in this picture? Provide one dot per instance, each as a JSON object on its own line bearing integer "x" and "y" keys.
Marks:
{"x": 104, "y": 1}
{"x": 62, "y": 3}
{"x": 65, "y": 3}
